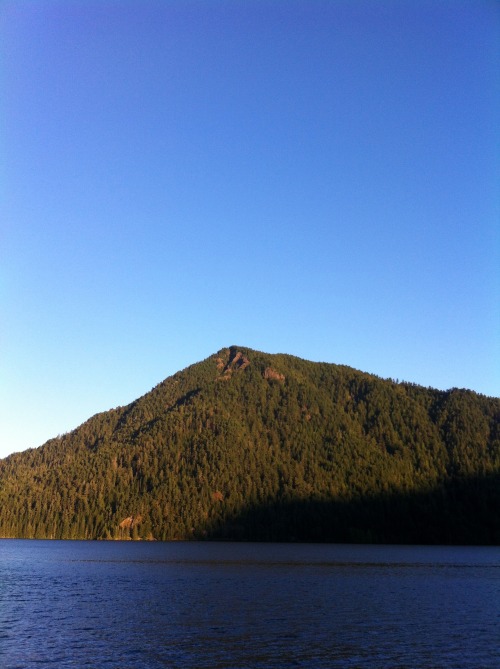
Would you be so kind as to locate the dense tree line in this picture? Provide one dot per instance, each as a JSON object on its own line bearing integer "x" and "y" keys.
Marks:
{"x": 248, "y": 445}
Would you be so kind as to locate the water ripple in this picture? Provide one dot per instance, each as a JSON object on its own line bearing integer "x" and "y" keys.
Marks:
{"x": 97, "y": 605}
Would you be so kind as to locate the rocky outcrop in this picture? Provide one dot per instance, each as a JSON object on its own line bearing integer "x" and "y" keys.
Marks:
{"x": 236, "y": 362}
{"x": 130, "y": 522}
{"x": 273, "y": 375}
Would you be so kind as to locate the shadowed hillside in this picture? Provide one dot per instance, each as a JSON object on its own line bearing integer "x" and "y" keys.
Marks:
{"x": 248, "y": 445}
{"x": 464, "y": 511}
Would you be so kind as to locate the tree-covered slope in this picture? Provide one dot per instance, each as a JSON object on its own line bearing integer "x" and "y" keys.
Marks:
{"x": 250, "y": 445}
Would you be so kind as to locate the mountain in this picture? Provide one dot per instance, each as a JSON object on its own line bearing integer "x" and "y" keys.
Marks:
{"x": 253, "y": 446}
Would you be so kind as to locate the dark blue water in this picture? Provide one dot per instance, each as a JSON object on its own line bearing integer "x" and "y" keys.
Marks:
{"x": 148, "y": 605}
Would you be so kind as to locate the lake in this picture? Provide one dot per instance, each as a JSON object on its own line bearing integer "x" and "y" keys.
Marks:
{"x": 139, "y": 605}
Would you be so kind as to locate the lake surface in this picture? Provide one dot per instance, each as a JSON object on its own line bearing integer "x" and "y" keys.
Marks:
{"x": 231, "y": 605}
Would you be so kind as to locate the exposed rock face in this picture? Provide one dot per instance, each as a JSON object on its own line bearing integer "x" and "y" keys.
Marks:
{"x": 230, "y": 361}
{"x": 128, "y": 523}
{"x": 270, "y": 373}
{"x": 239, "y": 361}
{"x": 236, "y": 362}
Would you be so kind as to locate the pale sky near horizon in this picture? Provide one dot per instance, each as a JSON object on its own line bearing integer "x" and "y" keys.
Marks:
{"x": 311, "y": 177}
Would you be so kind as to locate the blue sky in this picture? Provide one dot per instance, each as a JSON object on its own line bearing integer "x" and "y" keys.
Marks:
{"x": 310, "y": 177}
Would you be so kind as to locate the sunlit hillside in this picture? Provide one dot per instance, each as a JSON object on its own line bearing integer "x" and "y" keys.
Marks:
{"x": 248, "y": 445}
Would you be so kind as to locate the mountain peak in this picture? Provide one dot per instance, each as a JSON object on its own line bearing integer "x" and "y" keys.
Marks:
{"x": 252, "y": 445}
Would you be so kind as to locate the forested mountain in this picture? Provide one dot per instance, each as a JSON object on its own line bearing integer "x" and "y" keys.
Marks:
{"x": 248, "y": 445}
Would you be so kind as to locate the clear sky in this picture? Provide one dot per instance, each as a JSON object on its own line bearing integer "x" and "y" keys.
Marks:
{"x": 318, "y": 178}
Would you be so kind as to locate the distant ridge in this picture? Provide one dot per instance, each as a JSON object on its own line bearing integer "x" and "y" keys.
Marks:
{"x": 254, "y": 446}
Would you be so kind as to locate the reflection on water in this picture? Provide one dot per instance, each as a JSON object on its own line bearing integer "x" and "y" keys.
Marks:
{"x": 138, "y": 605}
